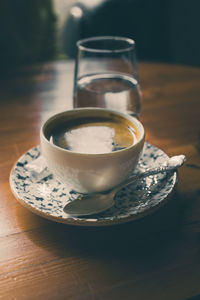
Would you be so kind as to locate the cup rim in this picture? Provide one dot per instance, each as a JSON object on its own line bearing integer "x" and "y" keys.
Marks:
{"x": 130, "y": 44}
{"x": 126, "y": 116}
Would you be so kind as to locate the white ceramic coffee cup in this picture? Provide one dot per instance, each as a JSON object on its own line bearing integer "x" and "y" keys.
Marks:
{"x": 88, "y": 173}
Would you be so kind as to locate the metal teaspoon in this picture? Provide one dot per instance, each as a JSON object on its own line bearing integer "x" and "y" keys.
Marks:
{"x": 92, "y": 203}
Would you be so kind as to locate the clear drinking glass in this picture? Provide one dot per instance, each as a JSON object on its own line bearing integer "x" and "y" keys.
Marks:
{"x": 106, "y": 74}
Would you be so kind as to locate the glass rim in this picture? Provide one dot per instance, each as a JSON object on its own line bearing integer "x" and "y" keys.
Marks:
{"x": 130, "y": 44}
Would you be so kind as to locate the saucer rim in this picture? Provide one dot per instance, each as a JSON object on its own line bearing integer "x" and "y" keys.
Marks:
{"x": 78, "y": 221}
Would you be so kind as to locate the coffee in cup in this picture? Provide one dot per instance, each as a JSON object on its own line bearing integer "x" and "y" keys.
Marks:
{"x": 93, "y": 135}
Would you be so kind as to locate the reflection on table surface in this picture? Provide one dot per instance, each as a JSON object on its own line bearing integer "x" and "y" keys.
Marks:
{"x": 156, "y": 257}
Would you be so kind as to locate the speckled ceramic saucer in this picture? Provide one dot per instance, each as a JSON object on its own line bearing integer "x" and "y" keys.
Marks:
{"x": 48, "y": 196}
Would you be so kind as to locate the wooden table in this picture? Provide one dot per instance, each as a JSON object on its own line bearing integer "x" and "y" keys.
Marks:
{"x": 157, "y": 257}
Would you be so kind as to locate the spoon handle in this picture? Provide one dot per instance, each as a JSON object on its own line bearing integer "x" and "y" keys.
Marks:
{"x": 153, "y": 171}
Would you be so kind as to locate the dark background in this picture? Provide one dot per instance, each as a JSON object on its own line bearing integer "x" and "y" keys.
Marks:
{"x": 164, "y": 30}
{"x": 27, "y": 33}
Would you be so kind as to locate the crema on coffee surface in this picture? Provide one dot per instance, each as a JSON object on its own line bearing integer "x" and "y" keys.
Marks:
{"x": 94, "y": 135}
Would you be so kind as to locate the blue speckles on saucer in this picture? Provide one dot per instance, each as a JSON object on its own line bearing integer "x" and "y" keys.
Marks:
{"x": 48, "y": 196}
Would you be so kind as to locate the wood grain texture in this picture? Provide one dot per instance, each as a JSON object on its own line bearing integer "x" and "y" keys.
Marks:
{"x": 157, "y": 257}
